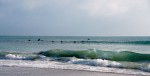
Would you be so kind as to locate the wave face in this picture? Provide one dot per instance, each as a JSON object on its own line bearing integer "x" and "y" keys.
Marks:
{"x": 98, "y": 54}
{"x": 82, "y": 54}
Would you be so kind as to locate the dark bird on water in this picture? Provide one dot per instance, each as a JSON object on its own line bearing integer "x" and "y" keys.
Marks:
{"x": 39, "y": 39}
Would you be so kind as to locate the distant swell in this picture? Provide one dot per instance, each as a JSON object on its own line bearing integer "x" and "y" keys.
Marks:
{"x": 121, "y": 42}
{"x": 108, "y": 42}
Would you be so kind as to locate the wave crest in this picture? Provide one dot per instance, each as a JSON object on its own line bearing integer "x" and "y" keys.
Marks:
{"x": 98, "y": 54}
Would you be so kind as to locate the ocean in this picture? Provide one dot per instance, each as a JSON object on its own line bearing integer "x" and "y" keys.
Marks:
{"x": 118, "y": 54}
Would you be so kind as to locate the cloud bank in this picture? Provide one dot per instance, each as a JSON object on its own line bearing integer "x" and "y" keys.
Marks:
{"x": 75, "y": 17}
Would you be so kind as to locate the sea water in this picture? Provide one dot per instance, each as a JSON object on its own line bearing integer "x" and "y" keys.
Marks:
{"x": 128, "y": 55}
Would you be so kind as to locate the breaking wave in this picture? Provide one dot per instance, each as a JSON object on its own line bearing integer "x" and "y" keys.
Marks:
{"x": 98, "y": 54}
{"x": 92, "y": 57}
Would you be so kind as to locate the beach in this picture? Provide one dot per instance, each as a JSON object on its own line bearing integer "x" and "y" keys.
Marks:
{"x": 21, "y": 71}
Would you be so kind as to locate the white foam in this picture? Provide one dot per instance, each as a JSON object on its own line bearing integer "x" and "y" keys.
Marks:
{"x": 59, "y": 65}
{"x": 107, "y": 63}
{"x": 115, "y": 64}
{"x": 13, "y": 56}
{"x": 146, "y": 68}
{"x": 96, "y": 62}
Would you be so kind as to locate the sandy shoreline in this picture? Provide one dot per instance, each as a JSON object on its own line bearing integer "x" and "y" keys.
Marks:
{"x": 18, "y": 71}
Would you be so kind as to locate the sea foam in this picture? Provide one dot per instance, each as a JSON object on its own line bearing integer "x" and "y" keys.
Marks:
{"x": 13, "y": 56}
{"x": 59, "y": 65}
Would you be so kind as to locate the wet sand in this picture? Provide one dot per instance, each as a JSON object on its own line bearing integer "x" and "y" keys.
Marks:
{"x": 19, "y": 71}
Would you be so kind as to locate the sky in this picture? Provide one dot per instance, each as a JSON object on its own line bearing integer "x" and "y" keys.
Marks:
{"x": 75, "y": 17}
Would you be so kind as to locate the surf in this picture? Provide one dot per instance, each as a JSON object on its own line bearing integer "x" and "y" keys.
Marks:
{"x": 82, "y": 54}
{"x": 98, "y": 54}
{"x": 91, "y": 58}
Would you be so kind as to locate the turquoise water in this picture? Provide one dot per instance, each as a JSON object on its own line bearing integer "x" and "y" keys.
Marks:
{"x": 21, "y": 43}
{"x": 130, "y": 53}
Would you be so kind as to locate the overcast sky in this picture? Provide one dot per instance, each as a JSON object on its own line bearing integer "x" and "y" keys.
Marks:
{"x": 75, "y": 17}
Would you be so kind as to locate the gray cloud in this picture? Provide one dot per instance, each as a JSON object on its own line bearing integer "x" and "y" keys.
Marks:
{"x": 72, "y": 17}
{"x": 112, "y": 7}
